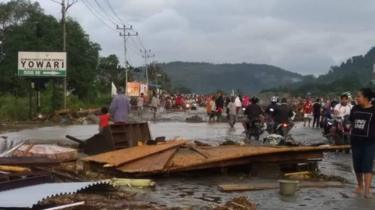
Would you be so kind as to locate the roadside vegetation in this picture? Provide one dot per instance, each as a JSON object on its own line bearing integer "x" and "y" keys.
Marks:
{"x": 25, "y": 27}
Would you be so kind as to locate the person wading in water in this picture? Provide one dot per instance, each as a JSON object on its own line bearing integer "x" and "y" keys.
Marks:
{"x": 362, "y": 117}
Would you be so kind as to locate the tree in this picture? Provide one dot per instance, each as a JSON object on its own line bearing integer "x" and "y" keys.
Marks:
{"x": 109, "y": 71}
{"x": 158, "y": 77}
{"x": 24, "y": 27}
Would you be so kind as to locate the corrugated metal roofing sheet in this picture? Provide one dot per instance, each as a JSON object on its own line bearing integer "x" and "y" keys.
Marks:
{"x": 27, "y": 197}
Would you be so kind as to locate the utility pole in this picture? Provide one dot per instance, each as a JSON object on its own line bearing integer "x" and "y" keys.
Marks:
{"x": 146, "y": 54}
{"x": 64, "y": 9}
{"x": 126, "y": 34}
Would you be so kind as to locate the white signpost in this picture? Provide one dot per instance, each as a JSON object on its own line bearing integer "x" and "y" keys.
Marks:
{"x": 42, "y": 64}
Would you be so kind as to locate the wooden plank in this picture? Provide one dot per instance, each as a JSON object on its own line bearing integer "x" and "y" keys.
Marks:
{"x": 275, "y": 185}
{"x": 122, "y": 156}
{"x": 215, "y": 155}
{"x": 268, "y": 158}
{"x": 151, "y": 164}
{"x": 27, "y": 161}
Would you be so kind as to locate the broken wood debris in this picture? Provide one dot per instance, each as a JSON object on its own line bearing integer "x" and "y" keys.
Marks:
{"x": 175, "y": 156}
{"x": 122, "y": 156}
{"x": 27, "y": 161}
{"x": 47, "y": 151}
{"x": 275, "y": 185}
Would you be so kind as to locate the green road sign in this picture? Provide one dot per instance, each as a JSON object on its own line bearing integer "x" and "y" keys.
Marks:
{"x": 42, "y": 64}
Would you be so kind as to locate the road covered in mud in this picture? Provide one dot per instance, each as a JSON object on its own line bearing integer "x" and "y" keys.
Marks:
{"x": 201, "y": 189}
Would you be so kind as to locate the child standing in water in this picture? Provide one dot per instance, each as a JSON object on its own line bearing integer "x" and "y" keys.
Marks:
{"x": 104, "y": 119}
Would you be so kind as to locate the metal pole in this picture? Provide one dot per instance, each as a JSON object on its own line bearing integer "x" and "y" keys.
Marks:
{"x": 125, "y": 34}
{"x": 145, "y": 56}
{"x": 63, "y": 12}
{"x": 30, "y": 100}
{"x": 125, "y": 64}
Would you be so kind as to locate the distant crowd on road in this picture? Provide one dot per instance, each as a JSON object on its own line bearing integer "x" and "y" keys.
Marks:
{"x": 343, "y": 121}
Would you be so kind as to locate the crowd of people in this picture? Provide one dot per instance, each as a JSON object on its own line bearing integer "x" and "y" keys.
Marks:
{"x": 344, "y": 121}
{"x": 346, "y": 117}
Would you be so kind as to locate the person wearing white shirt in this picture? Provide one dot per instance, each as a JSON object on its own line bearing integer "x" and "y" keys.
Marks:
{"x": 340, "y": 111}
{"x": 238, "y": 104}
{"x": 343, "y": 108}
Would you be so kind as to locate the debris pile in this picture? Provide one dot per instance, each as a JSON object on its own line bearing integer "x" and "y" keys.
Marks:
{"x": 52, "y": 152}
{"x": 180, "y": 155}
{"x": 274, "y": 185}
{"x": 68, "y": 116}
{"x": 116, "y": 136}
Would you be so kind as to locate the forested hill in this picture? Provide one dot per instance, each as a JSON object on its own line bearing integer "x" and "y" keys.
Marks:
{"x": 357, "y": 68}
{"x": 354, "y": 73}
{"x": 206, "y": 77}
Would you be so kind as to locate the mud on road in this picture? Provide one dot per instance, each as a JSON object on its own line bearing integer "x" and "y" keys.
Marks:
{"x": 200, "y": 189}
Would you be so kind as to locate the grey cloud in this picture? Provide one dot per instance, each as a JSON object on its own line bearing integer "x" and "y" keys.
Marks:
{"x": 305, "y": 36}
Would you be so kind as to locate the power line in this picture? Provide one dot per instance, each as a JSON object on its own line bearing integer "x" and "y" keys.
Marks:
{"x": 96, "y": 15}
{"x": 109, "y": 17}
{"x": 136, "y": 45}
{"x": 57, "y": 2}
{"x": 147, "y": 55}
{"x": 141, "y": 43}
{"x": 114, "y": 12}
{"x": 124, "y": 33}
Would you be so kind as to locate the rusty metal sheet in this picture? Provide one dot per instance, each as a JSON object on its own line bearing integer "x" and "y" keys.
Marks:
{"x": 122, "y": 156}
{"x": 150, "y": 164}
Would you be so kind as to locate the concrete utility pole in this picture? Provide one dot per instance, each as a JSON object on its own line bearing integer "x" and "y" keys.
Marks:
{"x": 64, "y": 9}
{"x": 146, "y": 54}
{"x": 126, "y": 34}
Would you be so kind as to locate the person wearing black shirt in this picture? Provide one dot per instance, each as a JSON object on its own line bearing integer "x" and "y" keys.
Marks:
{"x": 253, "y": 112}
{"x": 317, "y": 109}
{"x": 362, "y": 117}
{"x": 283, "y": 113}
{"x": 219, "y": 106}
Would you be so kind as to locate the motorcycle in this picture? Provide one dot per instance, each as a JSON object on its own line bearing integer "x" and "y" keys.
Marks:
{"x": 327, "y": 126}
{"x": 255, "y": 129}
{"x": 270, "y": 122}
{"x": 283, "y": 129}
{"x": 341, "y": 134}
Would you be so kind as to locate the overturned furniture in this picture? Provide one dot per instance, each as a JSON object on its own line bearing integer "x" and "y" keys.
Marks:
{"x": 177, "y": 156}
{"x": 117, "y": 136}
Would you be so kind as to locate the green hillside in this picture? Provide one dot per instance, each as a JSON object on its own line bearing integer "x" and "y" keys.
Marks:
{"x": 206, "y": 77}
{"x": 354, "y": 73}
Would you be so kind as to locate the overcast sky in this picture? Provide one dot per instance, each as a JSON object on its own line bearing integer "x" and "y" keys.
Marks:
{"x": 304, "y": 36}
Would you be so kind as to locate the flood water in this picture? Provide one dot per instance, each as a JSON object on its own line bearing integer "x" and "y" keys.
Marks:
{"x": 212, "y": 133}
{"x": 201, "y": 190}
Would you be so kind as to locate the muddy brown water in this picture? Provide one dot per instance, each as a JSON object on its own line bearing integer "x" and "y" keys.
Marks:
{"x": 201, "y": 191}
